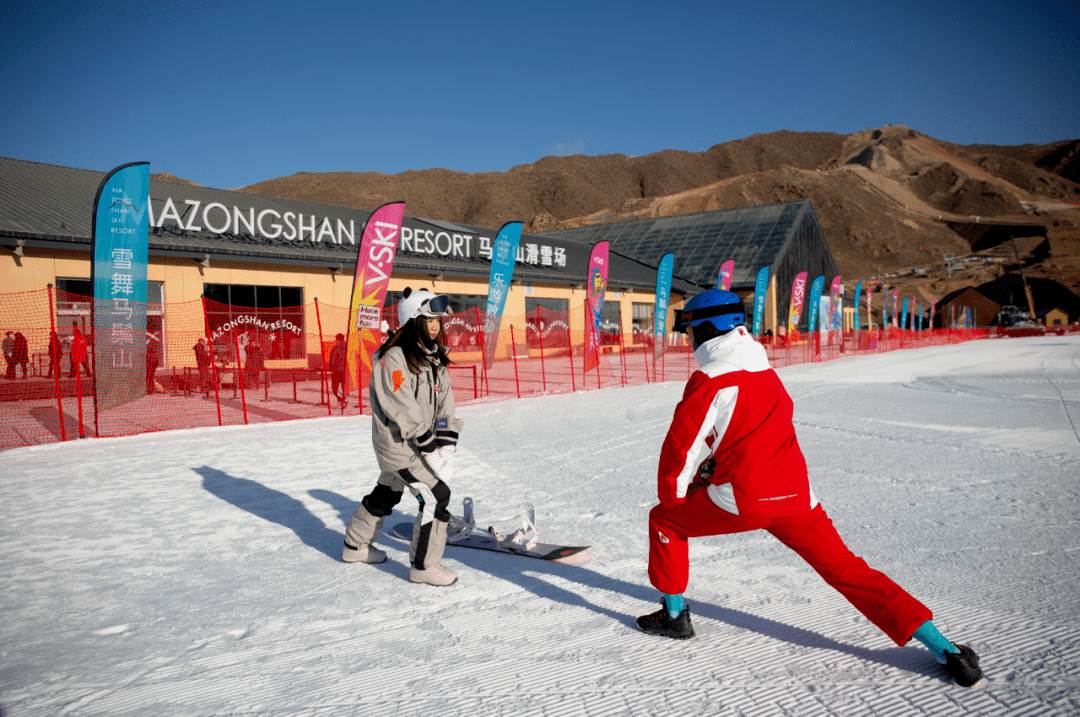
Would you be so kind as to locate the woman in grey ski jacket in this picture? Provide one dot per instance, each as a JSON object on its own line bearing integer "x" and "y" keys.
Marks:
{"x": 414, "y": 431}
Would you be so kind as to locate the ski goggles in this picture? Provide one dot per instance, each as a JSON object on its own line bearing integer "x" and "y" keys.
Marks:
{"x": 435, "y": 306}
{"x": 736, "y": 312}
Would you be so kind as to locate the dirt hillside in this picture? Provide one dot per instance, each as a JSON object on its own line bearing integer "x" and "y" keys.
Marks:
{"x": 889, "y": 200}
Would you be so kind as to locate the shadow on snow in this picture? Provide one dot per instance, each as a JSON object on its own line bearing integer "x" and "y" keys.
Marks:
{"x": 527, "y": 573}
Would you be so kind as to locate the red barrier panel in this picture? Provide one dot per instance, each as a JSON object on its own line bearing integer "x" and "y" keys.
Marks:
{"x": 268, "y": 364}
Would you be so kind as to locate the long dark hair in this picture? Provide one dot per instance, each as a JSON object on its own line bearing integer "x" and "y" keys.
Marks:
{"x": 412, "y": 341}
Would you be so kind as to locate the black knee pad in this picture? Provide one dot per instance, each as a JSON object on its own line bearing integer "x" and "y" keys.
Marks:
{"x": 381, "y": 501}
{"x": 441, "y": 491}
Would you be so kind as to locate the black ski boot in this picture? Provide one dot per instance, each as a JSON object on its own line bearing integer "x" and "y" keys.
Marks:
{"x": 963, "y": 666}
{"x": 660, "y": 623}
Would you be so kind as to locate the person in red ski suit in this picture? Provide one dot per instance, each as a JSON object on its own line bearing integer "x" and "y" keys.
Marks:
{"x": 755, "y": 478}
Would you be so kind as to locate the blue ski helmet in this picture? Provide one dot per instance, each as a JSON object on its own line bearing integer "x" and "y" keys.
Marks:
{"x": 723, "y": 309}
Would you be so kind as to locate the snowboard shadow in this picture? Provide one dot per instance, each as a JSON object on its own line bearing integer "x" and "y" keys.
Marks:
{"x": 531, "y": 575}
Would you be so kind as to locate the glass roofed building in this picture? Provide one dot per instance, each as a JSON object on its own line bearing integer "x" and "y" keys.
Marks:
{"x": 784, "y": 237}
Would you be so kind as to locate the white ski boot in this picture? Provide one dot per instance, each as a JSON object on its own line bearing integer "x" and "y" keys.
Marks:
{"x": 366, "y": 554}
{"x": 437, "y": 574}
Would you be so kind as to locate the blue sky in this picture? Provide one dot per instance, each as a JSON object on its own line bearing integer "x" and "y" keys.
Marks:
{"x": 232, "y": 93}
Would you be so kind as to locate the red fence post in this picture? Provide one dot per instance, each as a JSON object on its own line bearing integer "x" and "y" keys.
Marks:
{"x": 78, "y": 385}
{"x": 482, "y": 340}
{"x": 213, "y": 361}
{"x": 570, "y": 353}
{"x": 513, "y": 356}
{"x": 325, "y": 382}
{"x": 240, "y": 376}
{"x": 645, "y": 355}
{"x": 56, "y": 362}
{"x": 540, "y": 333}
{"x": 622, "y": 361}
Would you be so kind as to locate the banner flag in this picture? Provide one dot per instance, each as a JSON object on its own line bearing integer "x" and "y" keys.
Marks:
{"x": 903, "y": 315}
{"x": 120, "y": 247}
{"x": 920, "y": 316}
{"x": 895, "y": 299}
{"x": 503, "y": 257}
{"x": 855, "y": 303}
{"x": 869, "y": 307}
{"x": 836, "y": 301}
{"x": 798, "y": 293}
{"x": 723, "y": 277}
{"x": 933, "y": 305}
{"x": 663, "y": 291}
{"x": 885, "y": 309}
{"x": 595, "y": 285}
{"x": 816, "y": 289}
{"x": 374, "y": 264}
{"x": 761, "y": 288}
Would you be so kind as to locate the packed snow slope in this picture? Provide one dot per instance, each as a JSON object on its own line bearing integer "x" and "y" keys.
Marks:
{"x": 196, "y": 572}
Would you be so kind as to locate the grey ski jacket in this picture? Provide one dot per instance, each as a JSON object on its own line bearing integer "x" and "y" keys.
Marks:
{"x": 411, "y": 413}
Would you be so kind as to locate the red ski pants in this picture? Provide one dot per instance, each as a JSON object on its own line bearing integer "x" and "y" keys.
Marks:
{"x": 809, "y": 534}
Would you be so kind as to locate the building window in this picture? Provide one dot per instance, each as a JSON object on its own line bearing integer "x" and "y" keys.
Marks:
{"x": 239, "y": 314}
{"x": 610, "y": 322}
{"x": 643, "y": 322}
{"x": 73, "y": 304}
{"x": 550, "y": 304}
{"x": 547, "y": 323}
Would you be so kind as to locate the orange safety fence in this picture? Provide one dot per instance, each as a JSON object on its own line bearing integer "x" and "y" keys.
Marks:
{"x": 272, "y": 364}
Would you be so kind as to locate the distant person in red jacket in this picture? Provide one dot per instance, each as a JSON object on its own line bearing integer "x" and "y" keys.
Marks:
{"x": 21, "y": 356}
{"x": 755, "y": 478}
{"x": 338, "y": 358}
{"x": 79, "y": 356}
{"x": 202, "y": 362}
{"x": 56, "y": 353}
{"x": 9, "y": 354}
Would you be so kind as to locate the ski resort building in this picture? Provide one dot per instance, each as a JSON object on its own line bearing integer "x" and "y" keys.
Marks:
{"x": 273, "y": 254}
{"x": 785, "y": 237}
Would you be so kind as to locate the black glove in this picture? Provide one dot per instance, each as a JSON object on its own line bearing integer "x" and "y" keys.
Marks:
{"x": 707, "y": 468}
{"x": 705, "y": 471}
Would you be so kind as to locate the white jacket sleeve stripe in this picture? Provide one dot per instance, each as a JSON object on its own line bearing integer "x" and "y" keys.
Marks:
{"x": 718, "y": 416}
{"x": 725, "y": 409}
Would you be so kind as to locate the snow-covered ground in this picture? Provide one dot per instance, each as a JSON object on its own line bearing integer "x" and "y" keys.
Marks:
{"x": 196, "y": 572}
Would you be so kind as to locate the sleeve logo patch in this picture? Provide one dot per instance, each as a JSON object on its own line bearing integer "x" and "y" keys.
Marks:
{"x": 399, "y": 378}
{"x": 441, "y": 423}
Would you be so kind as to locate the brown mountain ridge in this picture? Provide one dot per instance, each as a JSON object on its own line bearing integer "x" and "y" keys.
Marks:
{"x": 892, "y": 202}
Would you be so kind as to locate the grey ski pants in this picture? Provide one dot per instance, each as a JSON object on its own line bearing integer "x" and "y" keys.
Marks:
{"x": 429, "y": 533}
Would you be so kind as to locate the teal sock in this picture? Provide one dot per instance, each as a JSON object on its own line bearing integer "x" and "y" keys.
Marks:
{"x": 928, "y": 635}
{"x": 674, "y": 604}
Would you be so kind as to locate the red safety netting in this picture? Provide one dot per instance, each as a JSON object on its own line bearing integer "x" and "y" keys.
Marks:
{"x": 272, "y": 364}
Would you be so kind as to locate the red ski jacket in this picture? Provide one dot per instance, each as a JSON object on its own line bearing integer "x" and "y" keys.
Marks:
{"x": 737, "y": 406}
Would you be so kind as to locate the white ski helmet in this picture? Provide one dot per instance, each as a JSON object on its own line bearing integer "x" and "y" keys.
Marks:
{"x": 421, "y": 303}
